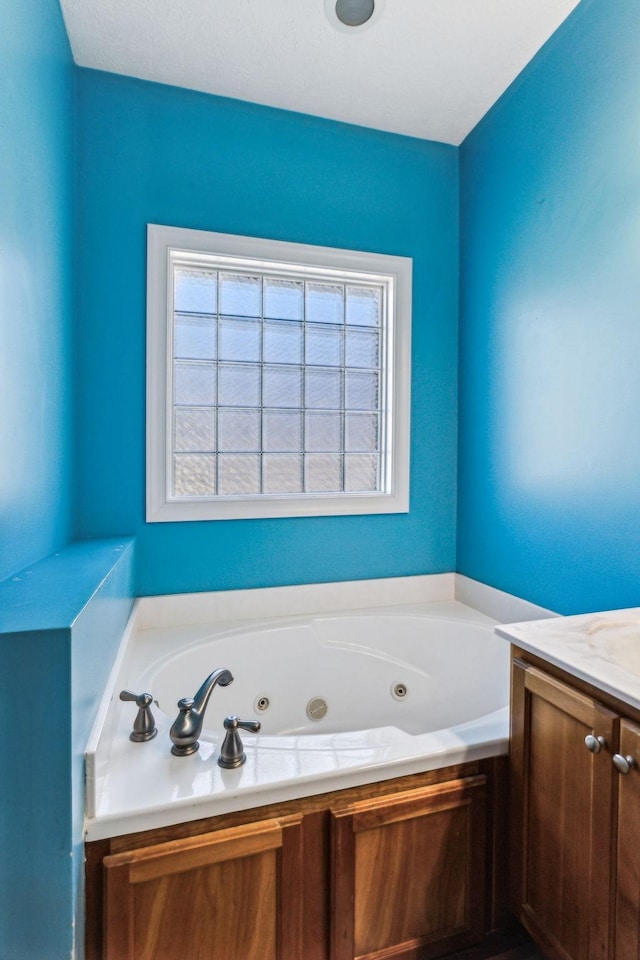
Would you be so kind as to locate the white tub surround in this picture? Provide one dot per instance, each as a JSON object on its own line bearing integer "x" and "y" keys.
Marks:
{"x": 602, "y": 649}
{"x": 500, "y": 606}
{"x": 133, "y": 786}
{"x": 311, "y": 598}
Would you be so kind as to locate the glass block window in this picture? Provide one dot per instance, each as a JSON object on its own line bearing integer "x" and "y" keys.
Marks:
{"x": 278, "y": 383}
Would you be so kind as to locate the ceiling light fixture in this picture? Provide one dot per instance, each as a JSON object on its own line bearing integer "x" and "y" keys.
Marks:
{"x": 348, "y": 15}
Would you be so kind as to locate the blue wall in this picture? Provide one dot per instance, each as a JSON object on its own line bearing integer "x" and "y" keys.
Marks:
{"x": 36, "y": 221}
{"x": 60, "y": 618}
{"x": 549, "y": 465}
{"x": 149, "y": 153}
{"x": 549, "y": 471}
{"x": 61, "y": 622}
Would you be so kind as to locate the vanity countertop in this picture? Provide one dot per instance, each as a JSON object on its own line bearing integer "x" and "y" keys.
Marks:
{"x": 602, "y": 649}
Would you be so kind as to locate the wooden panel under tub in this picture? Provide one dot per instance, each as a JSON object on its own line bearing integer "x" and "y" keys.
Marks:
{"x": 227, "y": 894}
{"x": 409, "y": 867}
{"x": 408, "y": 872}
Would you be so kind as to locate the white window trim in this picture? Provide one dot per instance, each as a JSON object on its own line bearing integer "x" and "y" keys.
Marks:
{"x": 163, "y": 243}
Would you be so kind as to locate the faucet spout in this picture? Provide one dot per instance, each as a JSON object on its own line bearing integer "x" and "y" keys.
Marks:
{"x": 201, "y": 699}
{"x": 187, "y": 726}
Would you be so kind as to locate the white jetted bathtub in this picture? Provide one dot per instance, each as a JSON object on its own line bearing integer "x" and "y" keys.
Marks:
{"x": 343, "y": 699}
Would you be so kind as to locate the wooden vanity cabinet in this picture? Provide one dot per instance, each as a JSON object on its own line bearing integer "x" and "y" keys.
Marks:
{"x": 627, "y": 899}
{"x": 411, "y": 868}
{"x": 575, "y": 818}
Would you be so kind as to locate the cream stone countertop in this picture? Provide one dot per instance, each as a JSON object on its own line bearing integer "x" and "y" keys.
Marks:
{"x": 601, "y": 648}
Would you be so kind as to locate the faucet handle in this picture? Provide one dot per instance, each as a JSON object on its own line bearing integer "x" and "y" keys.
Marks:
{"x": 233, "y": 722}
{"x": 144, "y": 725}
{"x": 231, "y": 752}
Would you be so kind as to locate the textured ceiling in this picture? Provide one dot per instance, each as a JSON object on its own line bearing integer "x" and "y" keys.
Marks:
{"x": 426, "y": 68}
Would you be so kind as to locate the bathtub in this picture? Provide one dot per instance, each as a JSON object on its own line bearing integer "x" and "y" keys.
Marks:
{"x": 344, "y": 698}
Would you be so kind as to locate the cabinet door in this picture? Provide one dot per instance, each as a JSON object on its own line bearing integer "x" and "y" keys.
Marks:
{"x": 408, "y": 872}
{"x": 628, "y": 871}
{"x": 227, "y": 895}
{"x": 561, "y": 814}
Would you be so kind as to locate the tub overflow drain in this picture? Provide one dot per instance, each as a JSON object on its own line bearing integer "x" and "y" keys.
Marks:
{"x": 316, "y": 708}
{"x": 399, "y": 691}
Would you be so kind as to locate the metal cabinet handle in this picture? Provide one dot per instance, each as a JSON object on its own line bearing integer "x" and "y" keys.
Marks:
{"x": 594, "y": 744}
{"x": 623, "y": 764}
